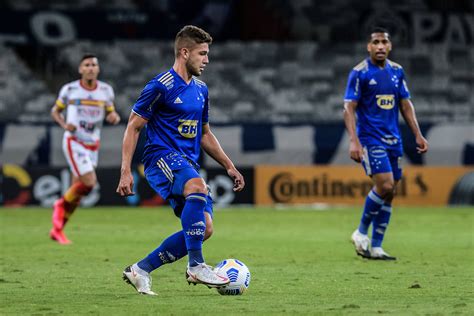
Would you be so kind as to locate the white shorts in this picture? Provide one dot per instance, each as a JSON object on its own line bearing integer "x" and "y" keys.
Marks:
{"x": 81, "y": 160}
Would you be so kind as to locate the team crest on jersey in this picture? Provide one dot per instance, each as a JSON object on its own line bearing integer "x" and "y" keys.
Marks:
{"x": 188, "y": 128}
{"x": 385, "y": 101}
{"x": 395, "y": 80}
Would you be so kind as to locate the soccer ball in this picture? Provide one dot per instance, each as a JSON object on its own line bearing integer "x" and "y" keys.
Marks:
{"x": 239, "y": 276}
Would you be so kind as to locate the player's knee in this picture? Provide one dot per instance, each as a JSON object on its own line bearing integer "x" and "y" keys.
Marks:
{"x": 89, "y": 180}
{"x": 196, "y": 187}
{"x": 387, "y": 189}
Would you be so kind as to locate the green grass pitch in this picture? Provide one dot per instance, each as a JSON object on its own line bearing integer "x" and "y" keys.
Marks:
{"x": 301, "y": 263}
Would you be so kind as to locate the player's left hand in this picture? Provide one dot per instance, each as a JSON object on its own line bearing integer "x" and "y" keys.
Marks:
{"x": 239, "y": 182}
{"x": 113, "y": 118}
{"x": 125, "y": 186}
{"x": 422, "y": 144}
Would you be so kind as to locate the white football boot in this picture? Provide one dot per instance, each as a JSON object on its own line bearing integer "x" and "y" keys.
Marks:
{"x": 379, "y": 254}
{"x": 361, "y": 243}
{"x": 139, "y": 279}
{"x": 204, "y": 274}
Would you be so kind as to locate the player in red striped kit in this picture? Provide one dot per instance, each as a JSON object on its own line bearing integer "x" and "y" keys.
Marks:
{"x": 87, "y": 102}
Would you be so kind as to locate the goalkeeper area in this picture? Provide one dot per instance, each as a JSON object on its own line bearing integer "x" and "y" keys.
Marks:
{"x": 301, "y": 261}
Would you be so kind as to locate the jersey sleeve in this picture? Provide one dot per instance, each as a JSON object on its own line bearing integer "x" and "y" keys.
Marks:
{"x": 151, "y": 95}
{"x": 109, "y": 105}
{"x": 353, "y": 87}
{"x": 403, "y": 88}
{"x": 61, "y": 101}
{"x": 205, "y": 110}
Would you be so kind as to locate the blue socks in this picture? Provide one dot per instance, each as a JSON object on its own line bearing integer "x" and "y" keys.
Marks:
{"x": 373, "y": 203}
{"x": 185, "y": 242}
{"x": 194, "y": 226}
{"x": 171, "y": 249}
{"x": 380, "y": 225}
{"x": 377, "y": 212}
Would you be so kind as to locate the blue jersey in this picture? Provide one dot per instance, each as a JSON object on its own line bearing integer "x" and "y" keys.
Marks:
{"x": 175, "y": 112}
{"x": 378, "y": 93}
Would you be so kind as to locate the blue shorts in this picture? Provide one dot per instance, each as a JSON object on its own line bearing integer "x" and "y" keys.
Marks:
{"x": 168, "y": 177}
{"x": 379, "y": 159}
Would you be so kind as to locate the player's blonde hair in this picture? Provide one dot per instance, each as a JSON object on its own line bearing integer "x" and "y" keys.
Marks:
{"x": 189, "y": 36}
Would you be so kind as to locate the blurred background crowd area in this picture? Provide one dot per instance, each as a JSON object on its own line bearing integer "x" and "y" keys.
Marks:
{"x": 271, "y": 62}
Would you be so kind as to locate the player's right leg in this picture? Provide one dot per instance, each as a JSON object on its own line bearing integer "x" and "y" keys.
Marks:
{"x": 139, "y": 279}
{"x": 167, "y": 178}
{"x": 171, "y": 249}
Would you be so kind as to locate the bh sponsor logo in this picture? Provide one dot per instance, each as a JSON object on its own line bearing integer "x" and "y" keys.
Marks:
{"x": 385, "y": 101}
{"x": 188, "y": 128}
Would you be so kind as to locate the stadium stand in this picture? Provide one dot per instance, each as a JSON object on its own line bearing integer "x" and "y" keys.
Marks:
{"x": 295, "y": 82}
{"x": 69, "y": 5}
{"x": 23, "y": 97}
{"x": 294, "y": 70}
{"x": 288, "y": 73}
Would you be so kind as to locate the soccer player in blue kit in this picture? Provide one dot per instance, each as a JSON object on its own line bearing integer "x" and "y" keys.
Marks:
{"x": 174, "y": 108}
{"x": 376, "y": 91}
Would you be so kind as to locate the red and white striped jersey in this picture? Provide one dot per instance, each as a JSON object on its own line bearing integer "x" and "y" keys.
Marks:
{"x": 86, "y": 108}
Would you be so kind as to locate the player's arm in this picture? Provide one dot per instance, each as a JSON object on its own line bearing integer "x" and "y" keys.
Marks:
{"x": 56, "y": 113}
{"x": 355, "y": 148}
{"x": 351, "y": 99}
{"x": 130, "y": 139}
{"x": 408, "y": 113}
{"x": 141, "y": 114}
{"x": 212, "y": 147}
{"x": 113, "y": 117}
